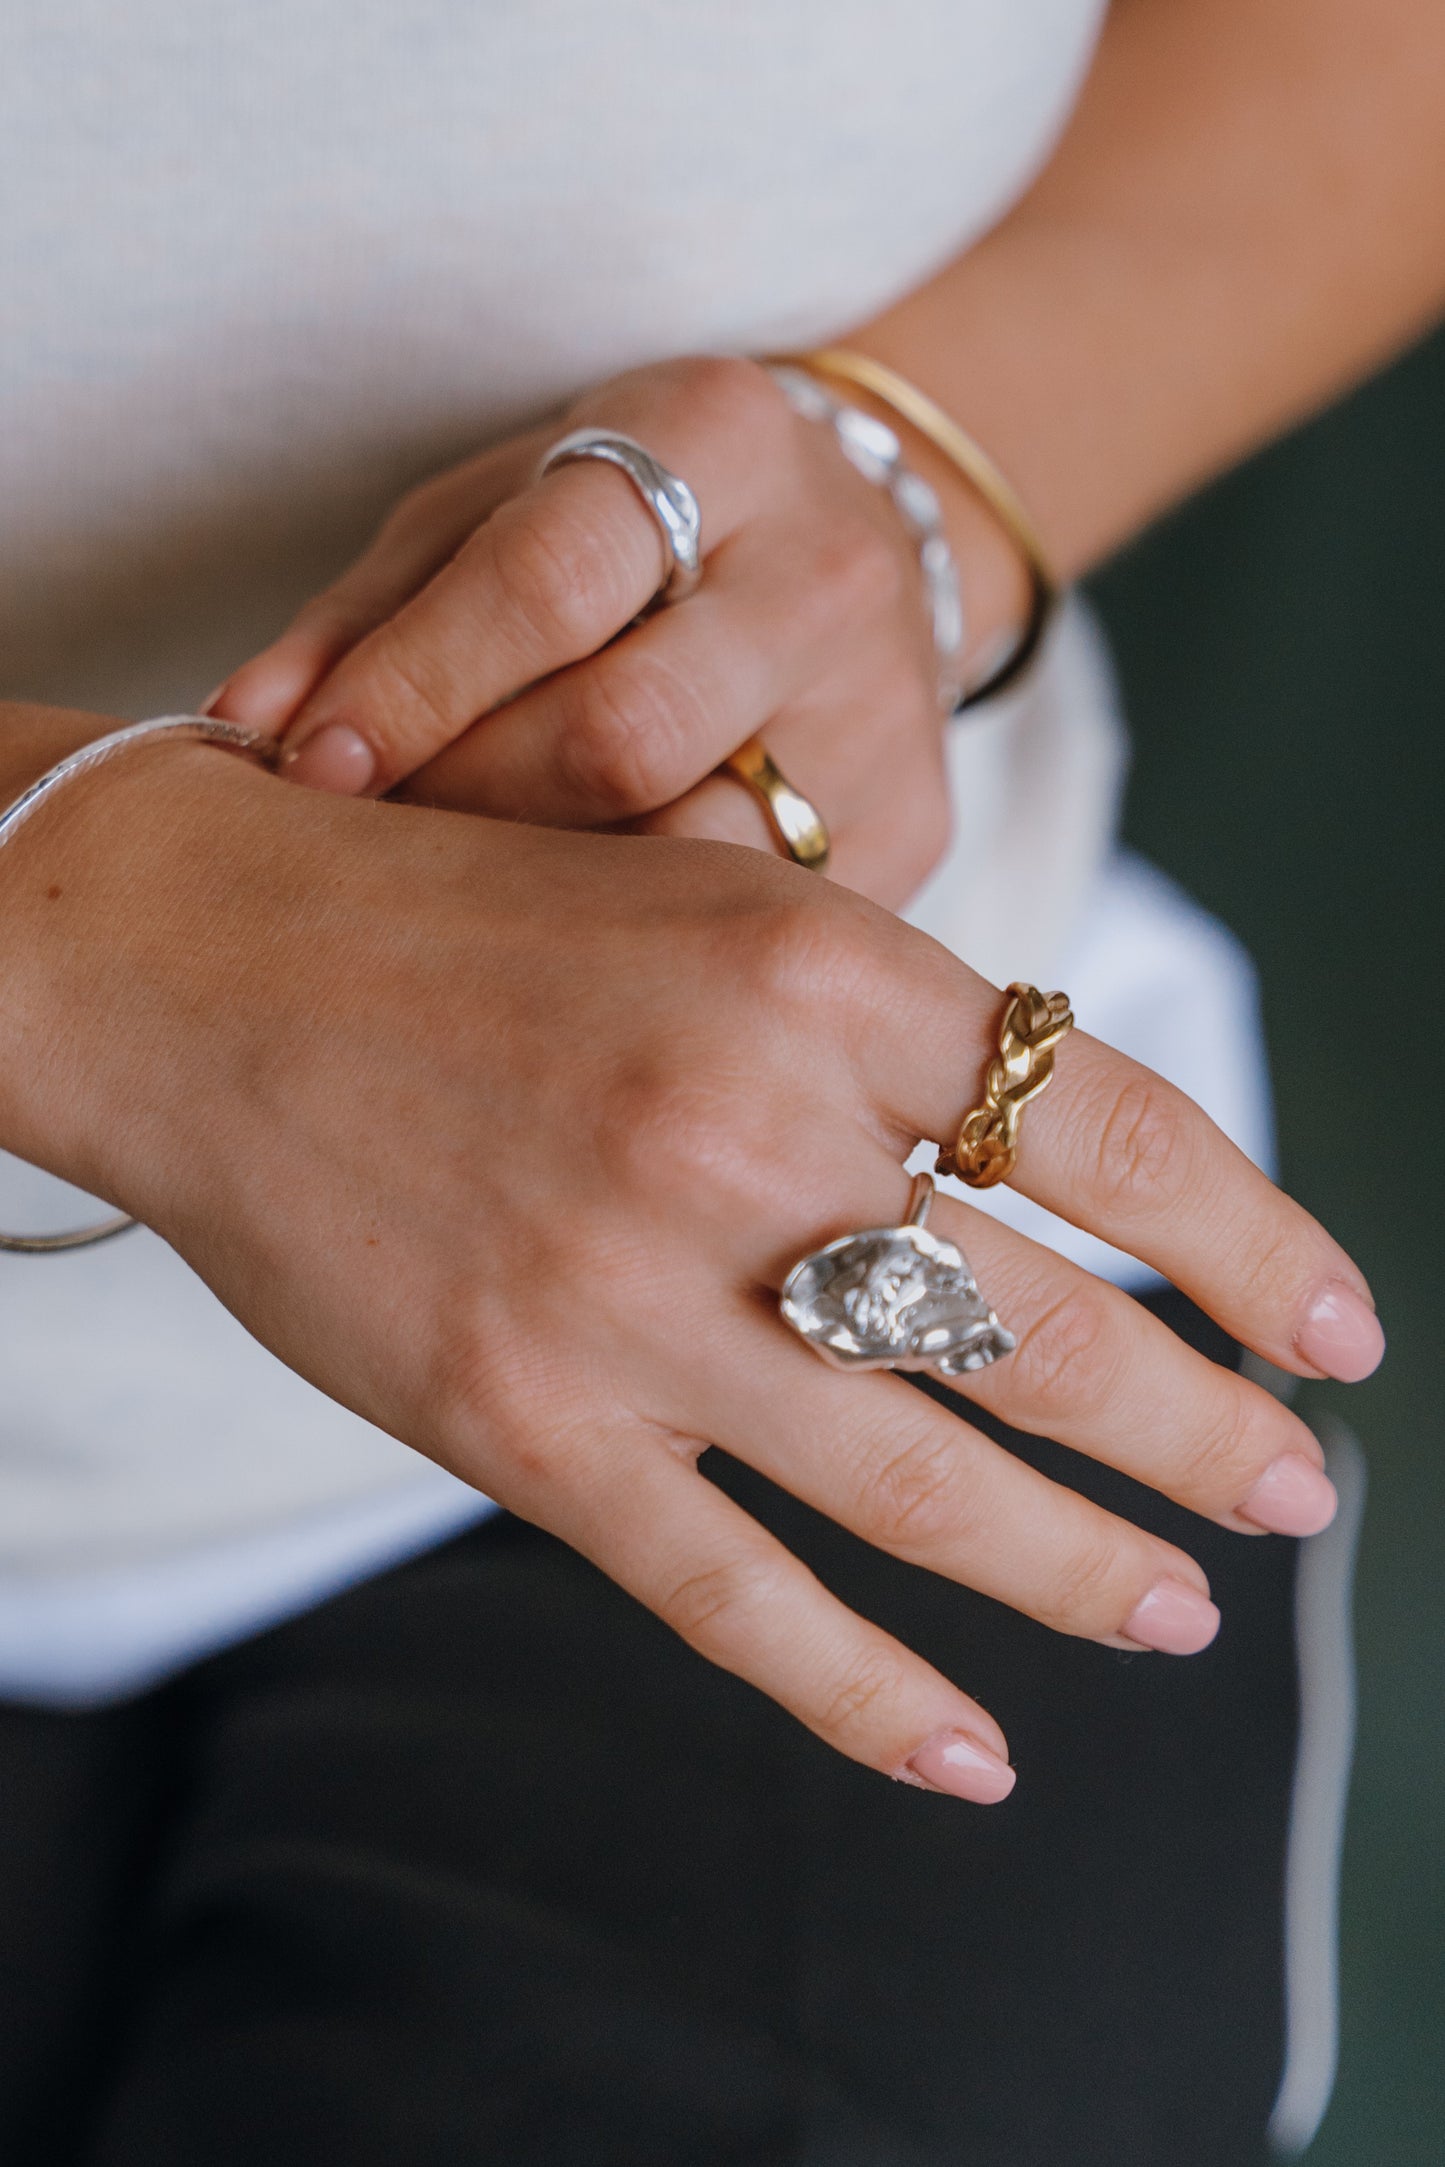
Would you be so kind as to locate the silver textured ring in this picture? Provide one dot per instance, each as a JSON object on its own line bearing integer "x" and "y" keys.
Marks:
{"x": 666, "y": 495}
{"x": 894, "y": 1297}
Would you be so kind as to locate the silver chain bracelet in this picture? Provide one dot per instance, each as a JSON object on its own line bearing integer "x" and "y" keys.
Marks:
{"x": 198, "y": 729}
{"x": 873, "y": 450}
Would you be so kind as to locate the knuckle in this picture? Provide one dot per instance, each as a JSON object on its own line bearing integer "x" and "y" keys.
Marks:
{"x": 713, "y": 1608}
{"x": 1143, "y": 1150}
{"x": 732, "y": 394}
{"x": 1227, "y": 1451}
{"x": 487, "y": 1395}
{"x": 1266, "y": 1270}
{"x": 1083, "y": 1594}
{"x": 555, "y": 577}
{"x": 917, "y": 1498}
{"x": 404, "y": 690}
{"x": 859, "y": 569}
{"x": 625, "y": 744}
{"x": 806, "y": 952}
{"x": 1067, "y": 1357}
{"x": 873, "y": 1682}
{"x": 669, "y": 1134}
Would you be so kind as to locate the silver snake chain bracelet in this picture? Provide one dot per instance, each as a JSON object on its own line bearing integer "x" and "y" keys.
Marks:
{"x": 196, "y": 729}
{"x": 873, "y": 450}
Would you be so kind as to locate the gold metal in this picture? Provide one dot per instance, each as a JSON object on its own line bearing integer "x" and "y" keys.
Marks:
{"x": 974, "y": 464}
{"x": 986, "y": 1148}
{"x": 795, "y": 821}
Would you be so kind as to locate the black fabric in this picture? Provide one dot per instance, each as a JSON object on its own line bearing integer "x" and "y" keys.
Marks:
{"x": 477, "y": 1864}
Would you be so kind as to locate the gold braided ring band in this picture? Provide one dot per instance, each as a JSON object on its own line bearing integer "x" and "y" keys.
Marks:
{"x": 986, "y": 1148}
{"x": 794, "y": 819}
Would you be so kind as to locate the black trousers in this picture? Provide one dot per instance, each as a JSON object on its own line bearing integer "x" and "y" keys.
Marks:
{"x": 476, "y": 1863}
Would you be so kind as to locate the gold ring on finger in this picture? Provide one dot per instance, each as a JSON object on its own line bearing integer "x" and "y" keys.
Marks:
{"x": 985, "y": 1150}
{"x": 794, "y": 819}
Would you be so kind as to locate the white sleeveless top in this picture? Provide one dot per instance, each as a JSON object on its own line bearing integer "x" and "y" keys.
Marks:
{"x": 263, "y": 268}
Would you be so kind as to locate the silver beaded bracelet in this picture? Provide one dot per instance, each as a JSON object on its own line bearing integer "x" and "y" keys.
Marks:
{"x": 194, "y": 728}
{"x": 874, "y": 451}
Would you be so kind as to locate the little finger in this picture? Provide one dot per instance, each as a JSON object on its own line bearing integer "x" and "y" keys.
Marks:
{"x": 903, "y": 1473}
{"x": 1096, "y": 1371}
{"x": 742, "y": 1600}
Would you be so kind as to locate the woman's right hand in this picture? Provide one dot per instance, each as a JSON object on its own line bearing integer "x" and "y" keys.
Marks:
{"x": 506, "y": 1138}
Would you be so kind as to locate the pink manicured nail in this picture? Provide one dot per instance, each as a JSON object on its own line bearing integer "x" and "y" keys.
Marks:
{"x": 1174, "y": 1618}
{"x": 1291, "y": 1497}
{"x": 959, "y": 1765}
{"x": 336, "y": 759}
{"x": 1341, "y": 1335}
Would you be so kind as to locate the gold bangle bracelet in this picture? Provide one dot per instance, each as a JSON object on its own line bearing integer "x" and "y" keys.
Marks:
{"x": 974, "y": 464}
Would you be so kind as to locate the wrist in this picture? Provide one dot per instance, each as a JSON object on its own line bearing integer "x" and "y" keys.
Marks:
{"x": 101, "y": 902}
{"x": 1007, "y": 587}
{"x": 32, "y": 739}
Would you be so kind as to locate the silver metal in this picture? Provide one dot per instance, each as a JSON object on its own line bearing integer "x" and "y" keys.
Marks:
{"x": 875, "y": 452}
{"x": 666, "y": 495}
{"x": 894, "y": 1297}
{"x": 199, "y": 729}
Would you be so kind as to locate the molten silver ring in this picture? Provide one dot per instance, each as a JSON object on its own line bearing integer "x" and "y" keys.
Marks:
{"x": 894, "y": 1297}
{"x": 666, "y": 495}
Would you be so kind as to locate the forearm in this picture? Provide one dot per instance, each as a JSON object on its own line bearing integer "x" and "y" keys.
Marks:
{"x": 1246, "y": 213}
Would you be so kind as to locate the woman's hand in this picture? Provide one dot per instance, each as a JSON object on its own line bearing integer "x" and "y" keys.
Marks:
{"x": 506, "y": 1139}
{"x": 472, "y": 652}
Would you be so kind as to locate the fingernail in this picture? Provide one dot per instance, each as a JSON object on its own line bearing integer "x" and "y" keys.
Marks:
{"x": 1173, "y": 1618}
{"x": 1341, "y": 1335}
{"x": 959, "y": 1765}
{"x": 1291, "y": 1497}
{"x": 213, "y": 699}
{"x": 336, "y": 759}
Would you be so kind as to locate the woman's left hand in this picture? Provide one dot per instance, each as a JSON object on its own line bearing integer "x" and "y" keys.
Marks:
{"x": 472, "y": 654}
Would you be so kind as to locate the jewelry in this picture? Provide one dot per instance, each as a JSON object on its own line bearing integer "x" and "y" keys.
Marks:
{"x": 973, "y": 462}
{"x": 873, "y": 450}
{"x": 794, "y": 819}
{"x": 894, "y": 1297}
{"x": 199, "y": 729}
{"x": 668, "y": 498}
{"x": 986, "y": 1148}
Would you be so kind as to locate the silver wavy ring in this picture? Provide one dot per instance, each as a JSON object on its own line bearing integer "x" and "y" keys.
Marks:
{"x": 666, "y": 495}
{"x": 894, "y": 1297}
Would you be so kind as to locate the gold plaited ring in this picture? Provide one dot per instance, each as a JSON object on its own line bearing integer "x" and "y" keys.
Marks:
{"x": 794, "y": 819}
{"x": 986, "y": 1148}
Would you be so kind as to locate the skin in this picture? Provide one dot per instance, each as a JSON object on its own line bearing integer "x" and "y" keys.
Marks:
{"x": 491, "y": 1127}
{"x": 494, "y": 1133}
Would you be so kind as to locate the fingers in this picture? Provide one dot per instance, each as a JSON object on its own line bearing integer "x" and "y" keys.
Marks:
{"x": 1109, "y": 1146}
{"x": 551, "y": 577}
{"x": 422, "y": 534}
{"x": 865, "y": 746}
{"x": 788, "y": 624}
{"x": 906, "y": 1475}
{"x": 746, "y": 1603}
{"x": 633, "y": 727}
{"x": 1094, "y": 1370}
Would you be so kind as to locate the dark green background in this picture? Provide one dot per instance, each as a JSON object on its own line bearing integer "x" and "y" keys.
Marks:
{"x": 1282, "y": 646}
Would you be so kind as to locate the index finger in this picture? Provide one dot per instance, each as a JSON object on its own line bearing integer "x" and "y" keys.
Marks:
{"x": 547, "y": 580}
{"x": 1114, "y": 1148}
